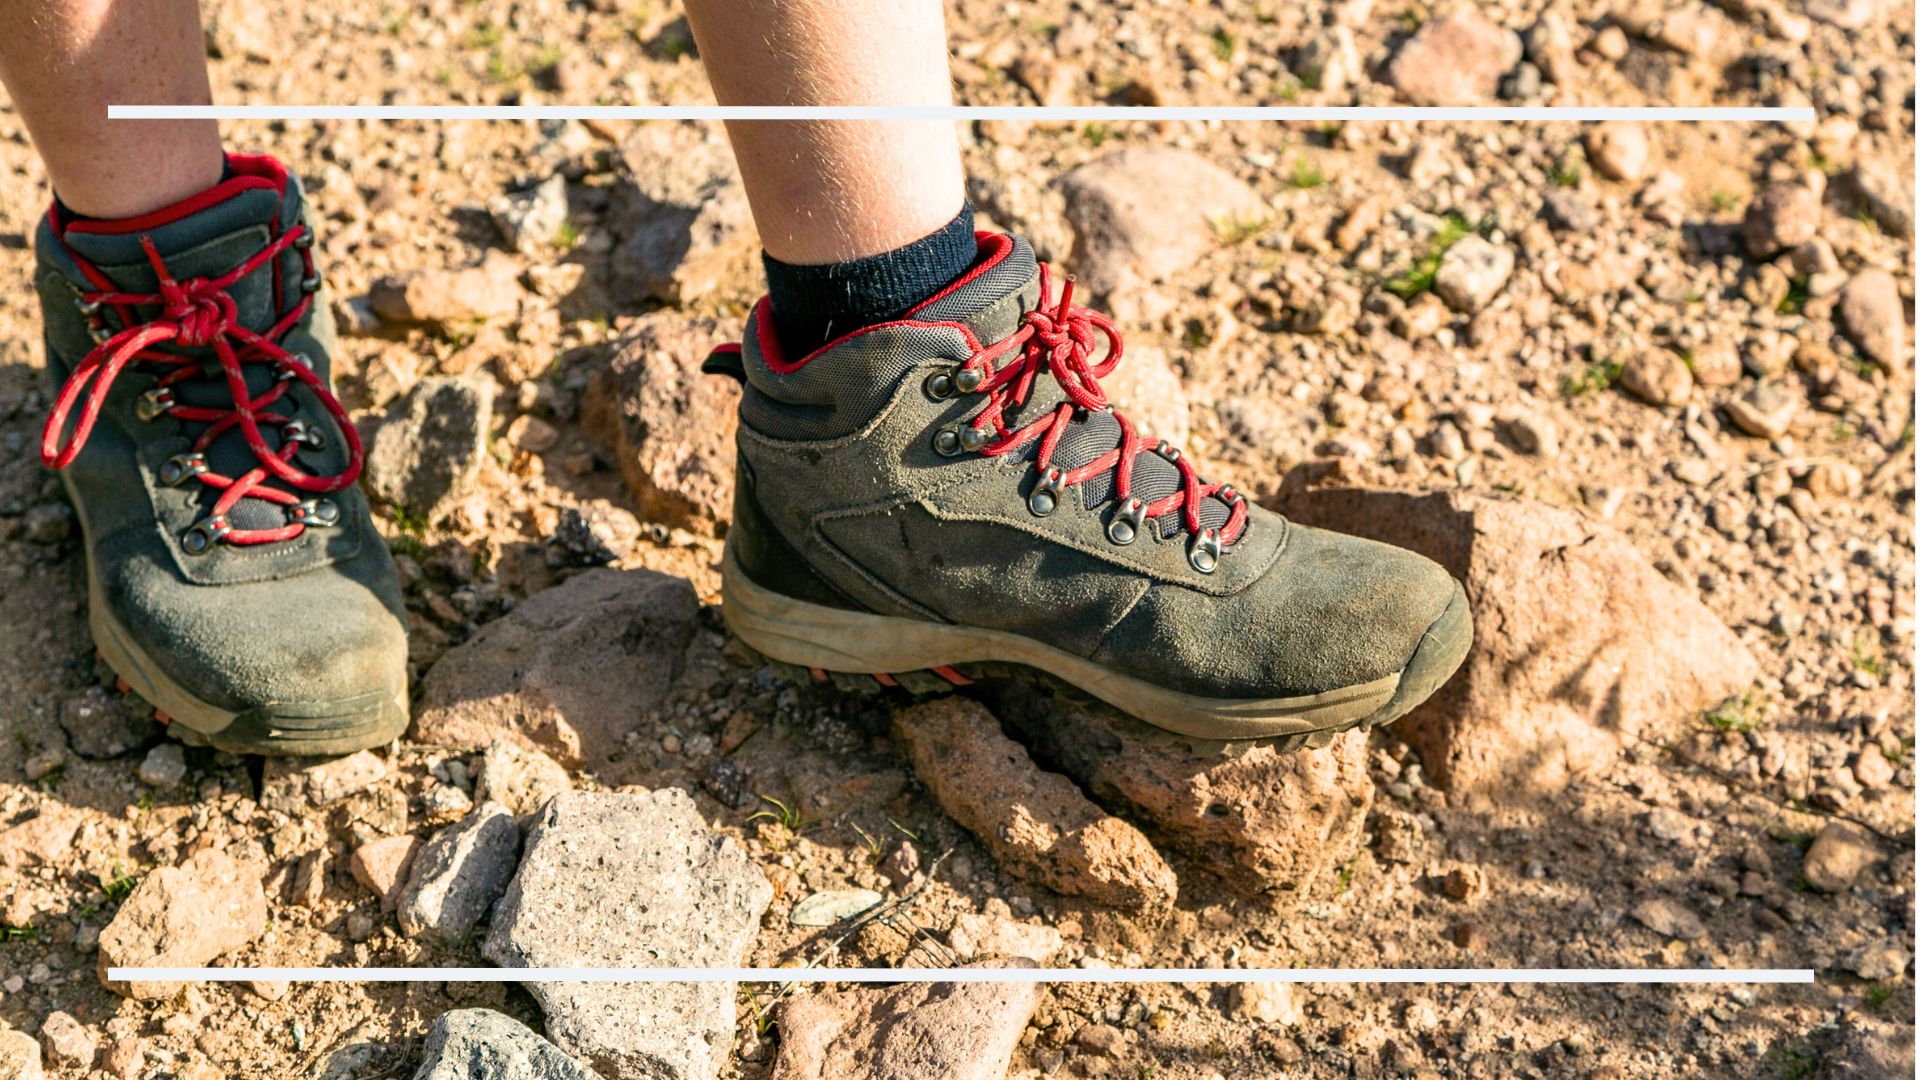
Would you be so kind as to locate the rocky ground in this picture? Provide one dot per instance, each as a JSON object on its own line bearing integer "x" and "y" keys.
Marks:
{"x": 1646, "y": 389}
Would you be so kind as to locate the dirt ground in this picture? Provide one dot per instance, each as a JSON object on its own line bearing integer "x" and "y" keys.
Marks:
{"x": 1818, "y": 585}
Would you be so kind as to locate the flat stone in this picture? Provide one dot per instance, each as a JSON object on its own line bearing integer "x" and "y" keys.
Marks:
{"x": 1037, "y": 824}
{"x": 1669, "y": 918}
{"x": 480, "y": 1044}
{"x": 489, "y": 289}
{"x": 1580, "y": 646}
{"x": 680, "y": 215}
{"x": 382, "y": 865}
{"x": 632, "y": 880}
{"x": 183, "y": 916}
{"x": 1875, "y": 317}
{"x": 669, "y": 425}
{"x": 1142, "y": 215}
{"x": 518, "y": 777}
{"x": 567, "y": 670}
{"x": 46, "y": 839}
{"x": 1838, "y": 856}
{"x": 425, "y": 456}
{"x": 956, "y": 1031}
{"x": 1259, "y": 819}
{"x": 1267, "y": 1003}
{"x": 458, "y": 875}
{"x": 1454, "y": 60}
{"x": 1887, "y": 192}
{"x": 531, "y": 220}
{"x": 294, "y": 785}
{"x": 832, "y": 906}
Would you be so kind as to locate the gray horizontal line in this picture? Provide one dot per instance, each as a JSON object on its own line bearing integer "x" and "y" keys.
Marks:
{"x": 1495, "y": 976}
{"x": 1075, "y": 113}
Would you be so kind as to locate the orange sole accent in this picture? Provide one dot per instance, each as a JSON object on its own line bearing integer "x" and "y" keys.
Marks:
{"x": 951, "y": 676}
{"x": 162, "y": 717}
{"x": 819, "y": 674}
{"x": 122, "y": 685}
{"x": 884, "y": 679}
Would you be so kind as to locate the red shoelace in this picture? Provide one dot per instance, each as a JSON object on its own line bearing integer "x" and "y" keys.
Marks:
{"x": 201, "y": 314}
{"x": 1062, "y": 341}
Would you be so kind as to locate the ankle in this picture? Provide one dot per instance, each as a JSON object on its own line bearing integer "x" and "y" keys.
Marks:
{"x": 812, "y": 305}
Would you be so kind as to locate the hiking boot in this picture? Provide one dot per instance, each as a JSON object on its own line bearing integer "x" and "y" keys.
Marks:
{"x": 235, "y": 580}
{"x": 936, "y": 498}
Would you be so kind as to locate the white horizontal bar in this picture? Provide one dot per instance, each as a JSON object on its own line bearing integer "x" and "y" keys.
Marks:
{"x": 971, "y": 974}
{"x": 1075, "y": 113}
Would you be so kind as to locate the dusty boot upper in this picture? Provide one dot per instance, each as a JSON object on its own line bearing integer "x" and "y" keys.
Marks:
{"x": 231, "y": 555}
{"x": 961, "y": 465}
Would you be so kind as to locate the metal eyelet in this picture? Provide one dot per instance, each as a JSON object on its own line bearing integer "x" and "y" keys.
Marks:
{"x": 1167, "y": 450}
{"x": 300, "y": 432}
{"x": 939, "y": 385}
{"x": 200, "y": 538}
{"x": 1124, "y": 526}
{"x": 86, "y": 306}
{"x": 1204, "y": 552}
{"x": 98, "y": 332}
{"x": 284, "y": 372}
{"x": 973, "y": 438}
{"x": 968, "y": 379}
{"x": 1045, "y": 497}
{"x": 153, "y": 404}
{"x": 304, "y": 240}
{"x": 1227, "y": 495}
{"x": 316, "y": 513}
{"x": 310, "y": 284}
{"x": 946, "y": 442}
{"x": 181, "y": 468}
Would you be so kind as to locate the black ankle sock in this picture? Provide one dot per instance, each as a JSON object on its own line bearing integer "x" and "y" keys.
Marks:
{"x": 812, "y": 305}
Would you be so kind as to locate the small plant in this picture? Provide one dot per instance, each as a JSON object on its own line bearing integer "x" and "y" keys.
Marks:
{"x": 1306, "y": 174}
{"x": 867, "y": 838}
{"x": 788, "y": 816}
{"x": 1233, "y": 229}
{"x": 1723, "y": 200}
{"x": 1096, "y": 132}
{"x": 1869, "y": 656}
{"x": 1796, "y": 298}
{"x": 568, "y": 237}
{"x": 1598, "y": 376}
{"x": 485, "y": 35}
{"x": 904, "y": 831}
{"x": 1799, "y": 1061}
{"x": 1224, "y": 43}
{"x": 1566, "y": 172}
{"x": 1418, "y": 278}
{"x": 1742, "y": 713}
{"x": 1878, "y": 995}
{"x": 19, "y": 933}
{"x": 120, "y": 887}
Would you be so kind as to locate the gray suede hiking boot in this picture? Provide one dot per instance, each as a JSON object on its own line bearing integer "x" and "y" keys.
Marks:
{"x": 235, "y": 578}
{"x": 937, "y": 498}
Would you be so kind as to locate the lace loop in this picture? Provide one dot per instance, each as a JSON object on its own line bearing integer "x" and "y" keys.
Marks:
{"x": 201, "y": 314}
{"x": 1061, "y": 340}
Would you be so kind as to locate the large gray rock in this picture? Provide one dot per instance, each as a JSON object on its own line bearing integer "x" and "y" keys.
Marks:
{"x": 632, "y": 880}
{"x": 955, "y": 1031}
{"x": 1580, "y": 646}
{"x": 670, "y": 426}
{"x": 680, "y": 214}
{"x": 425, "y": 456}
{"x": 480, "y": 1044}
{"x": 458, "y": 875}
{"x": 1141, "y": 215}
{"x": 567, "y": 670}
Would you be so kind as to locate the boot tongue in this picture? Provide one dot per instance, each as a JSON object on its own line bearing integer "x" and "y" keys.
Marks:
{"x": 989, "y": 299}
{"x": 207, "y": 237}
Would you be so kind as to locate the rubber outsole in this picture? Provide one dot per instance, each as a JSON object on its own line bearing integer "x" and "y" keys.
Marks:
{"x": 861, "y": 650}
